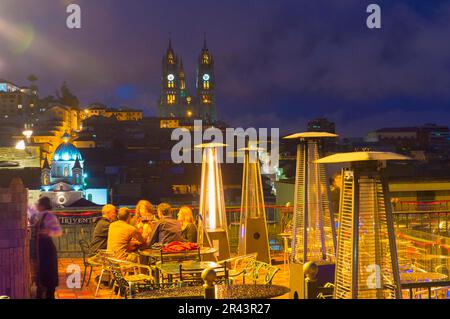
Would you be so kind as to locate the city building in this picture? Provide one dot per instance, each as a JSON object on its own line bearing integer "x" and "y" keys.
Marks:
{"x": 49, "y": 127}
{"x": 321, "y": 125}
{"x": 121, "y": 114}
{"x": 15, "y": 100}
{"x": 427, "y": 137}
{"x": 175, "y": 99}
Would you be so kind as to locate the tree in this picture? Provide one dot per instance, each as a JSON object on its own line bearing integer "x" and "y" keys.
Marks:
{"x": 32, "y": 79}
{"x": 66, "y": 97}
{"x": 47, "y": 101}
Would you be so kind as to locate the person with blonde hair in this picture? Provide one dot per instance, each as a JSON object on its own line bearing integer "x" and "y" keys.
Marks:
{"x": 188, "y": 228}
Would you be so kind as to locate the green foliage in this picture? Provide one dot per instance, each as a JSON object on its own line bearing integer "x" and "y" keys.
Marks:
{"x": 66, "y": 97}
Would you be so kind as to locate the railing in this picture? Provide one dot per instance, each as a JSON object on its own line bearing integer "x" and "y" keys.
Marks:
{"x": 79, "y": 224}
{"x": 430, "y": 289}
{"x": 424, "y": 206}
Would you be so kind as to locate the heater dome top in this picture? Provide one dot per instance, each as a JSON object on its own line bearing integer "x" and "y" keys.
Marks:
{"x": 310, "y": 135}
{"x": 362, "y": 156}
{"x": 252, "y": 148}
{"x": 210, "y": 145}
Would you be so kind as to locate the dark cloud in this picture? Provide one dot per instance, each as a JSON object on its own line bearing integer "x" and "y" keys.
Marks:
{"x": 278, "y": 63}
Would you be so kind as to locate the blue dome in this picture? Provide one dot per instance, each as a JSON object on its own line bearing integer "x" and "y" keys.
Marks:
{"x": 67, "y": 152}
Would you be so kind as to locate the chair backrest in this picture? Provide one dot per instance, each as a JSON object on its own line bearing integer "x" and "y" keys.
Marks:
{"x": 84, "y": 245}
{"x": 194, "y": 276}
{"x": 114, "y": 268}
{"x": 190, "y": 276}
{"x": 265, "y": 271}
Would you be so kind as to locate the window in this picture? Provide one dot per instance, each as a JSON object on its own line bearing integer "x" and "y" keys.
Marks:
{"x": 170, "y": 98}
{"x": 425, "y": 196}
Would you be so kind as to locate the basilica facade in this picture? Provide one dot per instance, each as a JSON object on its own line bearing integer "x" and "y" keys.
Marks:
{"x": 175, "y": 99}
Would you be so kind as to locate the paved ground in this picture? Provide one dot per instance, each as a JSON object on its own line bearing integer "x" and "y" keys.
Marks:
{"x": 64, "y": 292}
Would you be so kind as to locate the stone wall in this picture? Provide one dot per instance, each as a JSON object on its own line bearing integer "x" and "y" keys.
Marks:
{"x": 14, "y": 241}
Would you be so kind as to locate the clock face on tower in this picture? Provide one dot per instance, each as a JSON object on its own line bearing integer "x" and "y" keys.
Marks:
{"x": 170, "y": 77}
{"x": 206, "y": 77}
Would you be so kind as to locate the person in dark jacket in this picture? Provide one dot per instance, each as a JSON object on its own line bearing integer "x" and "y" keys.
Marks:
{"x": 168, "y": 229}
{"x": 47, "y": 227}
{"x": 101, "y": 228}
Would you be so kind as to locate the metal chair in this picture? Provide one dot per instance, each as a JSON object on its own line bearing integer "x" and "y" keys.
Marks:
{"x": 265, "y": 271}
{"x": 102, "y": 256}
{"x": 88, "y": 262}
{"x": 123, "y": 281}
{"x": 193, "y": 277}
{"x": 240, "y": 265}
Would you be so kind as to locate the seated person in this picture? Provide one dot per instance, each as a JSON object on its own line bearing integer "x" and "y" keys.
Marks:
{"x": 101, "y": 228}
{"x": 143, "y": 209}
{"x": 188, "y": 228}
{"x": 167, "y": 229}
{"x": 122, "y": 237}
{"x": 143, "y": 218}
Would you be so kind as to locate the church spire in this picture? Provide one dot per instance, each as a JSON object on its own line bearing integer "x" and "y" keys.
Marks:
{"x": 77, "y": 164}
{"x": 205, "y": 47}
{"x": 46, "y": 164}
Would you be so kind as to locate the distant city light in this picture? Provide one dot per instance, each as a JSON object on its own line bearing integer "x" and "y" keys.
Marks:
{"x": 27, "y": 133}
{"x": 20, "y": 145}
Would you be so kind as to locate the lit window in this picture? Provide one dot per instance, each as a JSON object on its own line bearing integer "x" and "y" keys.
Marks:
{"x": 171, "y": 99}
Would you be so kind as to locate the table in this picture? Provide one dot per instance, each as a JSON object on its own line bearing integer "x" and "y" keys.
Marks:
{"x": 286, "y": 237}
{"x": 222, "y": 292}
{"x": 156, "y": 253}
{"x": 172, "y": 269}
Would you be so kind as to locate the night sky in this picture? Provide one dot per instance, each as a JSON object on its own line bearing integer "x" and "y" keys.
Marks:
{"x": 278, "y": 63}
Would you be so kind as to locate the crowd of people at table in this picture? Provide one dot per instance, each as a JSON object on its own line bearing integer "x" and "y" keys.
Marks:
{"x": 117, "y": 230}
{"x": 122, "y": 233}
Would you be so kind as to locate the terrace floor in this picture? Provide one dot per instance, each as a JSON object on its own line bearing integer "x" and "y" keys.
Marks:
{"x": 63, "y": 292}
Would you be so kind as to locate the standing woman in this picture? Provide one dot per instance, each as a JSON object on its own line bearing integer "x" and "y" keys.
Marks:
{"x": 188, "y": 228}
{"x": 47, "y": 227}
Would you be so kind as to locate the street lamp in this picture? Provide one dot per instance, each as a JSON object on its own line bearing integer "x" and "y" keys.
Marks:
{"x": 20, "y": 145}
{"x": 27, "y": 133}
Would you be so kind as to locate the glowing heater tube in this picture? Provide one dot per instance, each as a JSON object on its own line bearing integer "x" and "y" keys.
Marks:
{"x": 213, "y": 223}
{"x": 253, "y": 234}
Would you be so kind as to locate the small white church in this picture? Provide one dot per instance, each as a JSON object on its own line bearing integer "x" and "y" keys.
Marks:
{"x": 63, "y": 180}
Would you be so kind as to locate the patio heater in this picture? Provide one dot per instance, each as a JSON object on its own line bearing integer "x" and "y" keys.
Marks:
{"x": 313, "y": 232}
{"x": 213, "y": 220}
{"x": 366, "y": 262}
{"x": 253, "y": 227}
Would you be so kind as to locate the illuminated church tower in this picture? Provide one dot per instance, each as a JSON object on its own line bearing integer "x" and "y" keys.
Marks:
{"x": 206, "y": 86}
{"x": 172, "y": 101}
{"x": 175, "y": 101}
